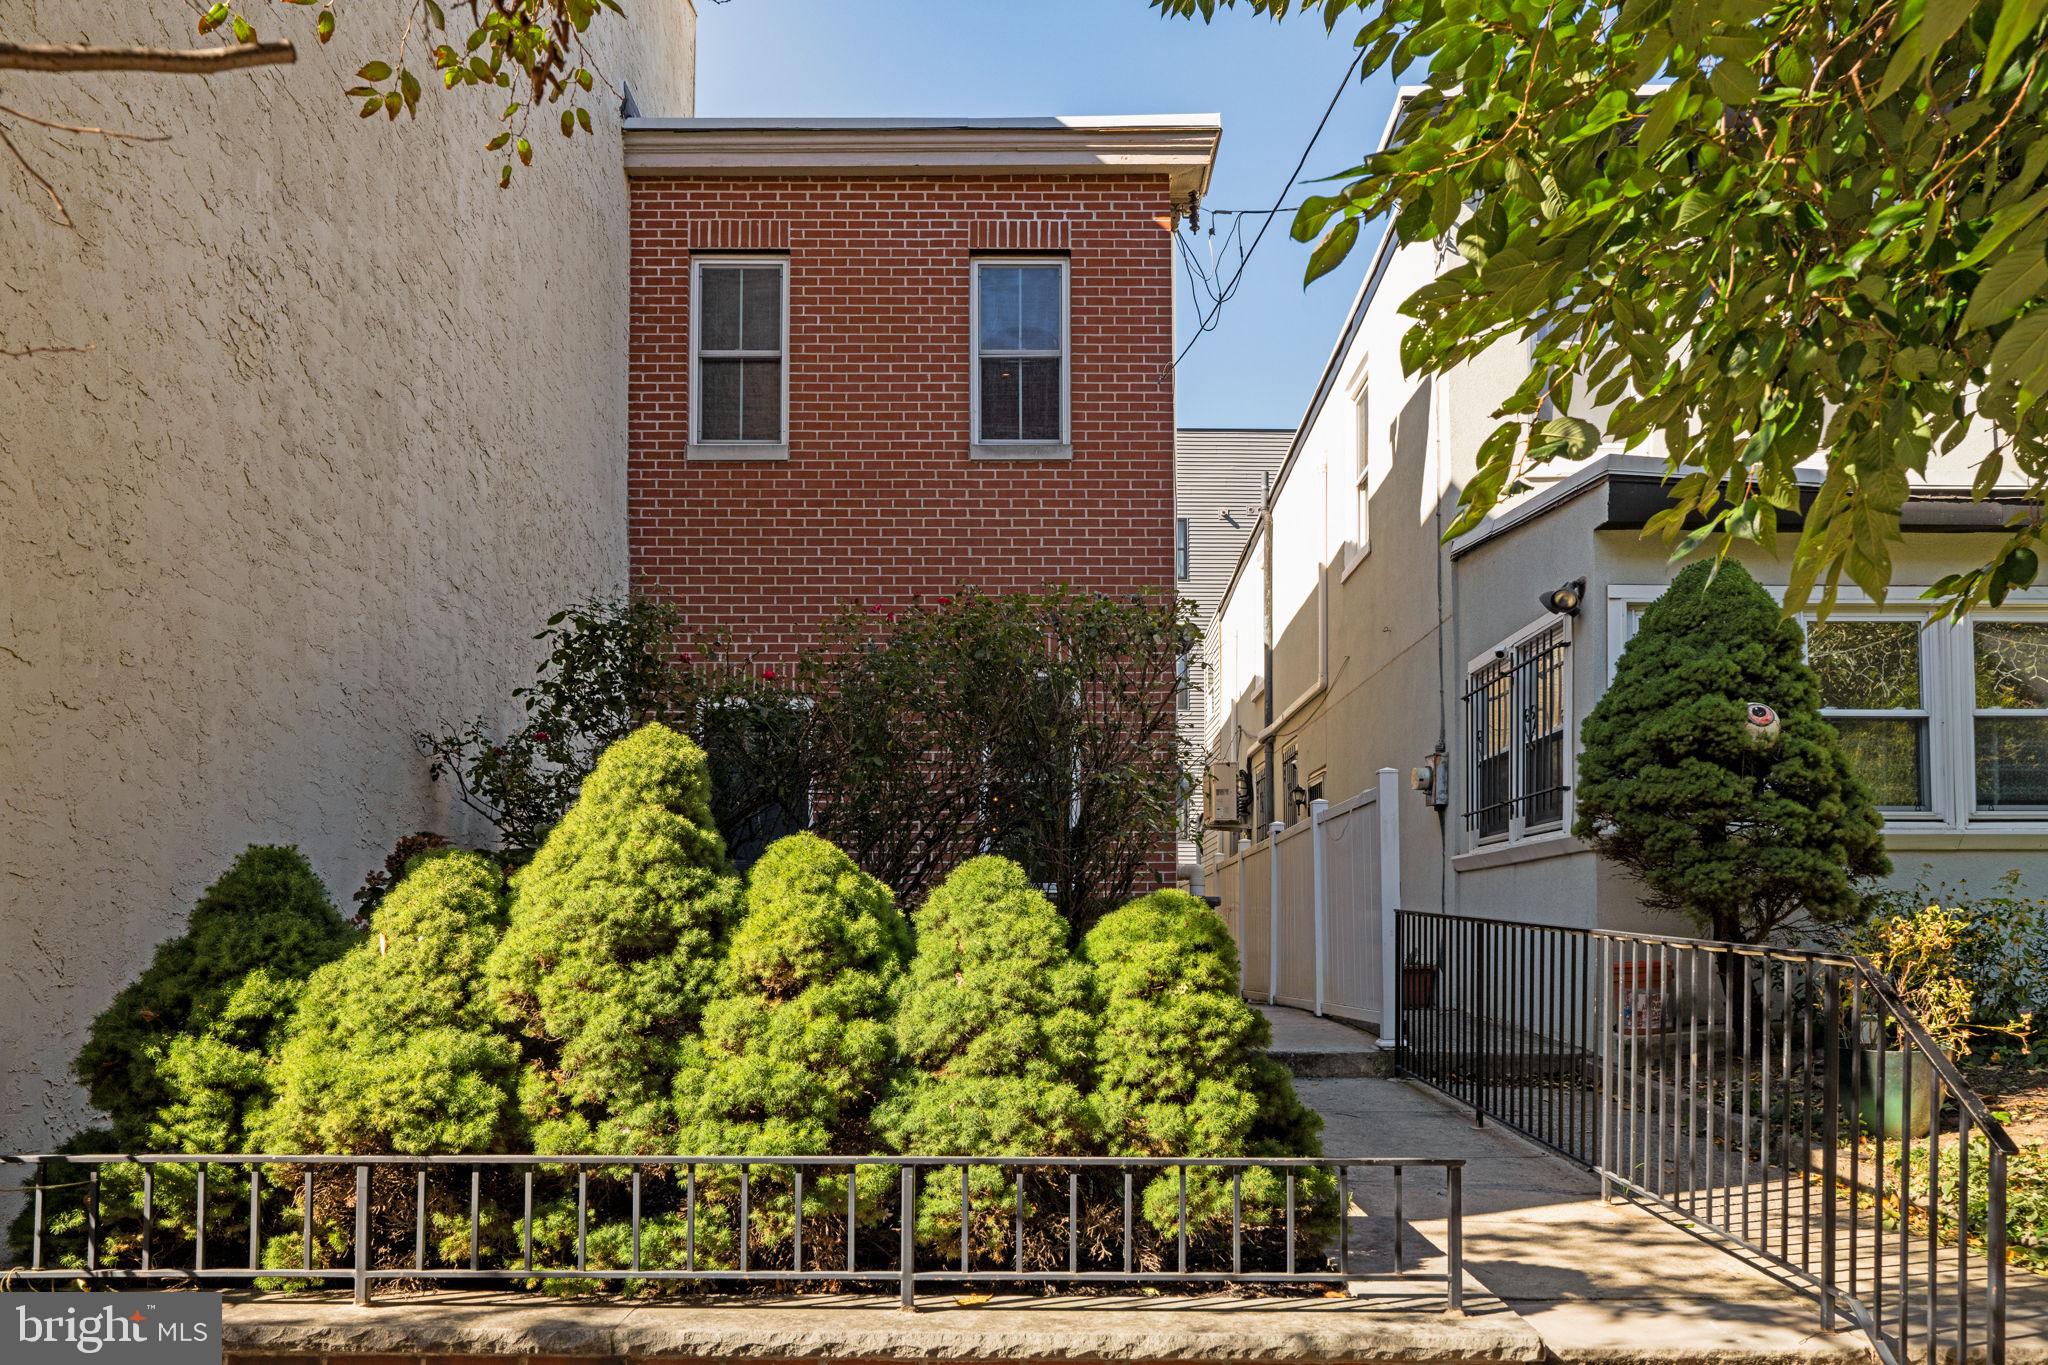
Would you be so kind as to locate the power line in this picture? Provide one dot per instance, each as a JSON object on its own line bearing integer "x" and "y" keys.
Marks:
{"x": 1208, "y": 323}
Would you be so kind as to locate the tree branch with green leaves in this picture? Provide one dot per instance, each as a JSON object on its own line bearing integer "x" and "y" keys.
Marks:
{"x": 1766, "y": 232}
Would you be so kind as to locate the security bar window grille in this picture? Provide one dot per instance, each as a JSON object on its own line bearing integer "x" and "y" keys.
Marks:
{"x": 1515, "y": 719}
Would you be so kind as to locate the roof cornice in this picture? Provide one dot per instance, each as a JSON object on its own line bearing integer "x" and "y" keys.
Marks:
{"x": 1180, "y": 147}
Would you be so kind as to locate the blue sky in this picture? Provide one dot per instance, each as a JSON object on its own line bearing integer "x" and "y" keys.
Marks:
{"x": 1270, "y": 82}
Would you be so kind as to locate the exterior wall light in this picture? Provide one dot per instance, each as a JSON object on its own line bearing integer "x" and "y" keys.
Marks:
{"x": 1565, "y": 599}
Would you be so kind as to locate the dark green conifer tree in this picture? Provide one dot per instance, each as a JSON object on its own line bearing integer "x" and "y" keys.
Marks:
{"x": 1746, "y": 838}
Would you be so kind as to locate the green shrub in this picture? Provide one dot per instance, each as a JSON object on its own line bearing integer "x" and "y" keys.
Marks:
{"x": 178, "y": 1061}
{"x": 611, "y": 950}
{"x": 181, "y": 1060}
{"x": 395, "y": 1048}
{"x": 2002, "y": 944}
{"x": 798, "y": 1042}
{"x": 1181, "y": 1059}
{"x": 995, "y": 1036}
{"x": 606, "y": 672}
{"x": 1748, "y": 839}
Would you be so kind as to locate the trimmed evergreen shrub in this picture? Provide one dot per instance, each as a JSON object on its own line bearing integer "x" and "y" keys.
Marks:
{"x": 1744, "y": 838}
{"x": 1181, "y": 1061}
{"x": 611, "y": 950}
{"x": 395, "y": 1047}
{"x": 799, "y": 1041}
{"x": 178, "y": 1061}
{"x": 995, "y": 1036}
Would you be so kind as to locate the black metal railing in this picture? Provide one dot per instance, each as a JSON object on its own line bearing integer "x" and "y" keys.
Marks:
{"x": 1787, "y": 1101}
{"x": 711, "y": 1220}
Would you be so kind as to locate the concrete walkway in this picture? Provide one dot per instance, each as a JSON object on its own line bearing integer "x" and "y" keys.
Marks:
{"x": 1596, "y": 1281}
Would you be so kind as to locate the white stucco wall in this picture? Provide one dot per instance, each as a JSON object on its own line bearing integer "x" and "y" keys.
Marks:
{"x": 353, "y": 421}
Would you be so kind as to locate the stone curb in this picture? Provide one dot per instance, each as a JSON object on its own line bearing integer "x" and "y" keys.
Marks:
{"x": 1070, "y": 1329}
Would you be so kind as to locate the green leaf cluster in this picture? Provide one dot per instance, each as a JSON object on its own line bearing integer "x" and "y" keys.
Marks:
{"x": 1181, "y": 1062}
{"x": 393, "y": 1049}
{"x": 1750, "y": 841}
{"x": 1764, "y": 231}
{"x": 612, "y": 948}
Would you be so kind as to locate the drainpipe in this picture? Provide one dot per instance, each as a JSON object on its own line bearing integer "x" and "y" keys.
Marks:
{"x": 1266, "y": 738}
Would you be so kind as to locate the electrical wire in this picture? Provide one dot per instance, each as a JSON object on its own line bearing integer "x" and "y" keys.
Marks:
{"x": 1208, "y": 322}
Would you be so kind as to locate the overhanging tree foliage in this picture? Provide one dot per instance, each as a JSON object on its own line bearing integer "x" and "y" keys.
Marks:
{"x": 1826, "y": 232}
{"x": 1746, "y": 838}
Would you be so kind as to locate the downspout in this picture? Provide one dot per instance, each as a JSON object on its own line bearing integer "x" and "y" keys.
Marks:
{"x": 1266, "y": 629}
{"x": 1446, "y": 616}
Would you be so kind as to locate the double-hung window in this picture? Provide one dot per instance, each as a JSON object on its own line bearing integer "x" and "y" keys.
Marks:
{"x": 1873, "y": 690}
{"x": 1020, "y": 357}
{"x": 2009, "y": 715}
{"x": 1515, "y": 699}
{"x": 739, "y": 358}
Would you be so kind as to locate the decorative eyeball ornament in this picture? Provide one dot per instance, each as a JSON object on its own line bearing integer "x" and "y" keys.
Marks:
{"x": 1760, "y": 724}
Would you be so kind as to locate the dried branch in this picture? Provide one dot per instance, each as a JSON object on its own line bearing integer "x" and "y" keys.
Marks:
{"x": 22, "y": 352}
{"x": 63, "y": 214}
{"x": 83, "y": 130}
{"x": 71, "y": 58}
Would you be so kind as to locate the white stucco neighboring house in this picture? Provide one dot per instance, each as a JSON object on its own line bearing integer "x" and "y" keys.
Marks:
{"x": 1362, "y": 642}
{"x": 346, "y": 423}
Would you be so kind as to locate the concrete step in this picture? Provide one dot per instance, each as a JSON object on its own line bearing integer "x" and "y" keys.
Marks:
{"x": 1324, "y": 1048}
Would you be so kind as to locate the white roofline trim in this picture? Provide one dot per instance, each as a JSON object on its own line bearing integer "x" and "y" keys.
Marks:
{"x": 1182, "y": 147}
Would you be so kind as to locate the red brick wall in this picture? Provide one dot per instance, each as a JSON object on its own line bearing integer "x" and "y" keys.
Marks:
{"x": 879, "y": 499}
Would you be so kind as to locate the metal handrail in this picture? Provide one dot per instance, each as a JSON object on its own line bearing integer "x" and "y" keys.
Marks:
{"x": 1730, "y": 1084}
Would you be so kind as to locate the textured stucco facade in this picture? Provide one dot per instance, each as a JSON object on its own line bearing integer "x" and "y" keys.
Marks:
{"x": 352, "y": 422}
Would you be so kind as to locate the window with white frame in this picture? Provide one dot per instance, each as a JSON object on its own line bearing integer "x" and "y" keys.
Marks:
{"x": 2009, "y": 715}
{"x": 1020, "y": 352}
{"x": 1515, "y": 729}
{"x": 739, "y": 354}
{"x": 1361, "y": 475}
{"x": 1946, "y": 722}
{"x": 1181, "y": 548}
{"x": 1873, "y": 689}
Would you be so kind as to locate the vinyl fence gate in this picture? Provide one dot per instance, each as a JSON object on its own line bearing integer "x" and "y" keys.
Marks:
{"x": 1312, "y": 905}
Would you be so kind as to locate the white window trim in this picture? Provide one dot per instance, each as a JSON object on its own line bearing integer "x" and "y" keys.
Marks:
{"x": 735, "y": 450}
{"x": 1358, "y": 544}
{"x": 1950, "y": 694}
{"x": 1062, "y": 449}
{"x": 1518, "y": 831}
{"x": 1183, "y": 547}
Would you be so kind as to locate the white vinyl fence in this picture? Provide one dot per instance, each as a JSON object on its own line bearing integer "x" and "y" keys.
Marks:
{"x": 1312, "y": 906}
